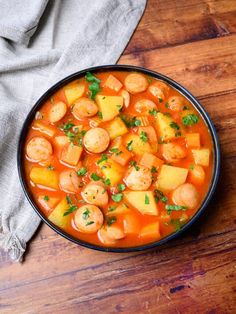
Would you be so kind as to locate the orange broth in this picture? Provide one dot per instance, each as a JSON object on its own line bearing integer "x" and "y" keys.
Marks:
{"x": 167, "y": 223}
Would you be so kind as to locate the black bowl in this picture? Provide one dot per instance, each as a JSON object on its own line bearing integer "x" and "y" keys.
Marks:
{"x": 173, "y": 84}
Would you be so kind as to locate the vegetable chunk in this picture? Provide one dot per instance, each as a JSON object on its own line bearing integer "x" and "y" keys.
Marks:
{"x": 201, "y": 156}
{"x": 113, "y": 83}
{"x": 151, "y": 231}
{"x": 136, "y": 145}
{"x": 44, "y": 177}
{"x": 116, "y": 128}
{"x": 57, "y": 217}
{"x": 193, "y": 140}
{"x": 150, "y": 161}
{"x": 171, "y": 177}
{"x": 109, "y": 106}
{"x": 71, "y": 154}
{"x": 57, "y": 112}
{"x": 112, "y": 171}
{"x": 143, "y": 201}
{"x": 72, "y": 93}
{"x": 164, "y": 126}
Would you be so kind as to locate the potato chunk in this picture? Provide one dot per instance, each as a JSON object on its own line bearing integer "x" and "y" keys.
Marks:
{"x": 134, "y": 144}
{"x": 71, "y": 154}
{"x": 109, "y": 106}
{"x": 116, "y": 128}
{"x": 57, "y": 217}
{"x": 193, "y": 140}
{"x": 150, "y": 161}
{"x": 74, "y": 92}
{"x": 43, "y": 128}
{"x": 112, "y": 171}
{"x": 45, "y": 177}
{"x": 143, "y": 201}
{"x": 171, "y": 177}
{"x": 201, "y": 156}
{"x": 151, "y": 231}
{"x": 47, "y": 202}
{"x": 131, "y": 224}
{"x": 164, "y": 126}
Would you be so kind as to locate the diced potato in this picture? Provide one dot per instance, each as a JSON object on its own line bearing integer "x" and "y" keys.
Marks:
{"x": 143, "y": 201}
{"x": 43, "y": 176}
{"x": 71, "y": 154}
{"x": 57, "y": 217}
{"x": 74, "y": 92}
{"x": 122, "y": 156}
{"x": 201, "y": 156}
{"x": 116, "y": 128}
{"x": 112, "y": 171}
{"x": 164, "y": 126}
{"x": 152, "y": 136}
{"x": 121, "y": 209}
{"x": 43, "y": 128}
{"x": 193, "y": 140}
{"x": 62, "y": 140}
{"x": 48, "y": 202}
{"x": 113, "y": 83}
{"x": 150, "y": 160}
{"x": 136, "y": 145}
{"x": 151, "y": 231}
{"x": 57, "y": 112}
{"x": 131, "y": 224}
{"x": 171, "y": 177}
{"x": 109, "y": 106}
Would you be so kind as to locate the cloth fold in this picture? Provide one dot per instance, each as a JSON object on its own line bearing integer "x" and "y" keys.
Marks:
{"x": 40, "y": 43}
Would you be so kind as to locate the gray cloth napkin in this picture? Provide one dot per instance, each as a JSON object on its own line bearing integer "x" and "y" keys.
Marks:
{"x": 40, "y": 43}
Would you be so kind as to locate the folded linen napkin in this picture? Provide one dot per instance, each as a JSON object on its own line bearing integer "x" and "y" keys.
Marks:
{"x": 40, "y": 43}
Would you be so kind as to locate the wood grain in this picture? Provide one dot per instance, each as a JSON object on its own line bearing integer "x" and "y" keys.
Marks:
{"x": 194, "y": 42}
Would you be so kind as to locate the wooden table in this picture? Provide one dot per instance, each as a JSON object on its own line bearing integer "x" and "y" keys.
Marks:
{"x": 193, "y": 42}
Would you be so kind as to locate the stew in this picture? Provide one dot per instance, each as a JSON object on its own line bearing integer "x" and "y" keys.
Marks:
{"x": 118, "y": 159}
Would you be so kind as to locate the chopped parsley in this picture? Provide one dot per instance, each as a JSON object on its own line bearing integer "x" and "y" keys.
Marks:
{"x": 111, "y": 208}
{"x": 160, "y": 100}
{"x": 174, "y": 125}
{"x": 103, "y": 158}
{"x": 186, "y": 108}
{"x": 50, "y": 167}
{"x": 70, "y": 210}
{"x": 82, "y": 172}
{"x": 86, "y": 214}
{"x": 129, "y": 146}
{"x": 146, "y": 201}
{"x": 153, "y": 169}
{"x": 130, "y": 122}
{"x": 70, "y": 135}
{"x": 153, "y": 112}
{"x": 116, "y": 151}
{"x": 95, "y": 177}
{"x": 46, "y": 198}
{"x": 143, "y": 136}
{"x": 121, "y": 187}
{"x": 149, "y": 79}
{"x": 133, "y": 163}
{"x": 68, "y": 199}
{"x": 67, "y": 126}
{"x": 100, "y": 114}
{"x": 176, "y": 223}
{"x": 167, "y": 105}
{"x": 159, "y": 196}
{"x": 111, "y": 220}
{"x": 177, "y": 134}
{"x": 171, "y": 208}
{"x": 94, "y": 87}
{"x": 107, "y": 181}
{"x": 89, "y": 223}
{"x": 117, "y": 197}
{"x": 137, "y": 122}
{"x": 190, "y": 119}
{"x": 191, "y": 167}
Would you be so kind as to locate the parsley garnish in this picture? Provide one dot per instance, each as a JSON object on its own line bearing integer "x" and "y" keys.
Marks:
{"x": 82, "y": 172}
{"x": 159, "y": 196}
{"x": 86, "y": 214}
{"x": 153, "y": 112}
{"x": 89, "y": 223}
{"x": 143, "y": 136}
{"x": 111, "y": 208}
{"x": 67, "y": 126}
{"x": 111, "y": 220}
{"x": 146, "y": 201}
{"x": 68, "y": 199}
{"x": 129, "y": 147}
{"x": 46, "y": 198}
{"x": 95, "y": 177}
{"x": 130, "y": 122}
{"x": 174, "y": 125}
{"x": 190, "y": 119}
{"x": 94, "y": 87}
{"x": 191, "y": 167}
{"x": 153, "y": 169}
{"x": 137, "y": 122}
{"x": 117, "y": 197}
{"x": 186, "y": 108}
{"x": 70, "y": 210}
{"x": 50, "y": 167}
{"x": 167, "y": 105}
{"x": 133, "y": 163}
{"x": 121, "y": 187}
{"x": 160, "y": 100}
{"x": 100, "y": 114}
{"x": 170, "y": 208}
{"x": 116, "y": 151}
{"x": 107, "y": 181}
{"x": 103, "y": 158}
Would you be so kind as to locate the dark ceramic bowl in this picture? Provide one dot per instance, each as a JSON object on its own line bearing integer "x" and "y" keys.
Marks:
{"x": 172, "y": 83}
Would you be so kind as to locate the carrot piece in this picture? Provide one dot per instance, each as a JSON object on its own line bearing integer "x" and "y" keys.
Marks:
{"x": 149, "y": 160}
{"x": 193, "y": 140}
{"x": 151, "y": 231}
{"x": 71, "y": 154}
{"x": 122, "y": 155}
{"x": 113, "y": 83}
{"x": 62, "y": 140}
{"x": 197, "y": 174}
{"x": 131, "y": 224}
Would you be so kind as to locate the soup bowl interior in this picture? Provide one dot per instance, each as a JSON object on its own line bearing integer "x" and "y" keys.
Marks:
{"x": 173, "y": 84}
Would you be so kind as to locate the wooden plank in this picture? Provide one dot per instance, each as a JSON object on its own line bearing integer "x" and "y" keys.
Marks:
{"x": 169, "y": 23}
{"x": 151, "y": 279}
{"x": 205, "y": 67}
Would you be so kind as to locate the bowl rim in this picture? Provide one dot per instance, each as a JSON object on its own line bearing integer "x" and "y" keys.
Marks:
{"x": 128, "y": 68}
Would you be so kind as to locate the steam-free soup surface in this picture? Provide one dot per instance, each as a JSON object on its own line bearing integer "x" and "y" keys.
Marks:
{"x": 118, "y": 159}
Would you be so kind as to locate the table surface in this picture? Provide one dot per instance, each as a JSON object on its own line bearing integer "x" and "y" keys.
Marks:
{"x": 193, "y": 42}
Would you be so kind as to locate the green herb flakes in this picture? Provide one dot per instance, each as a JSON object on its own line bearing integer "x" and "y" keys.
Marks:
{"x": 117, "y": 197}
{"x": 190, "y": 119}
